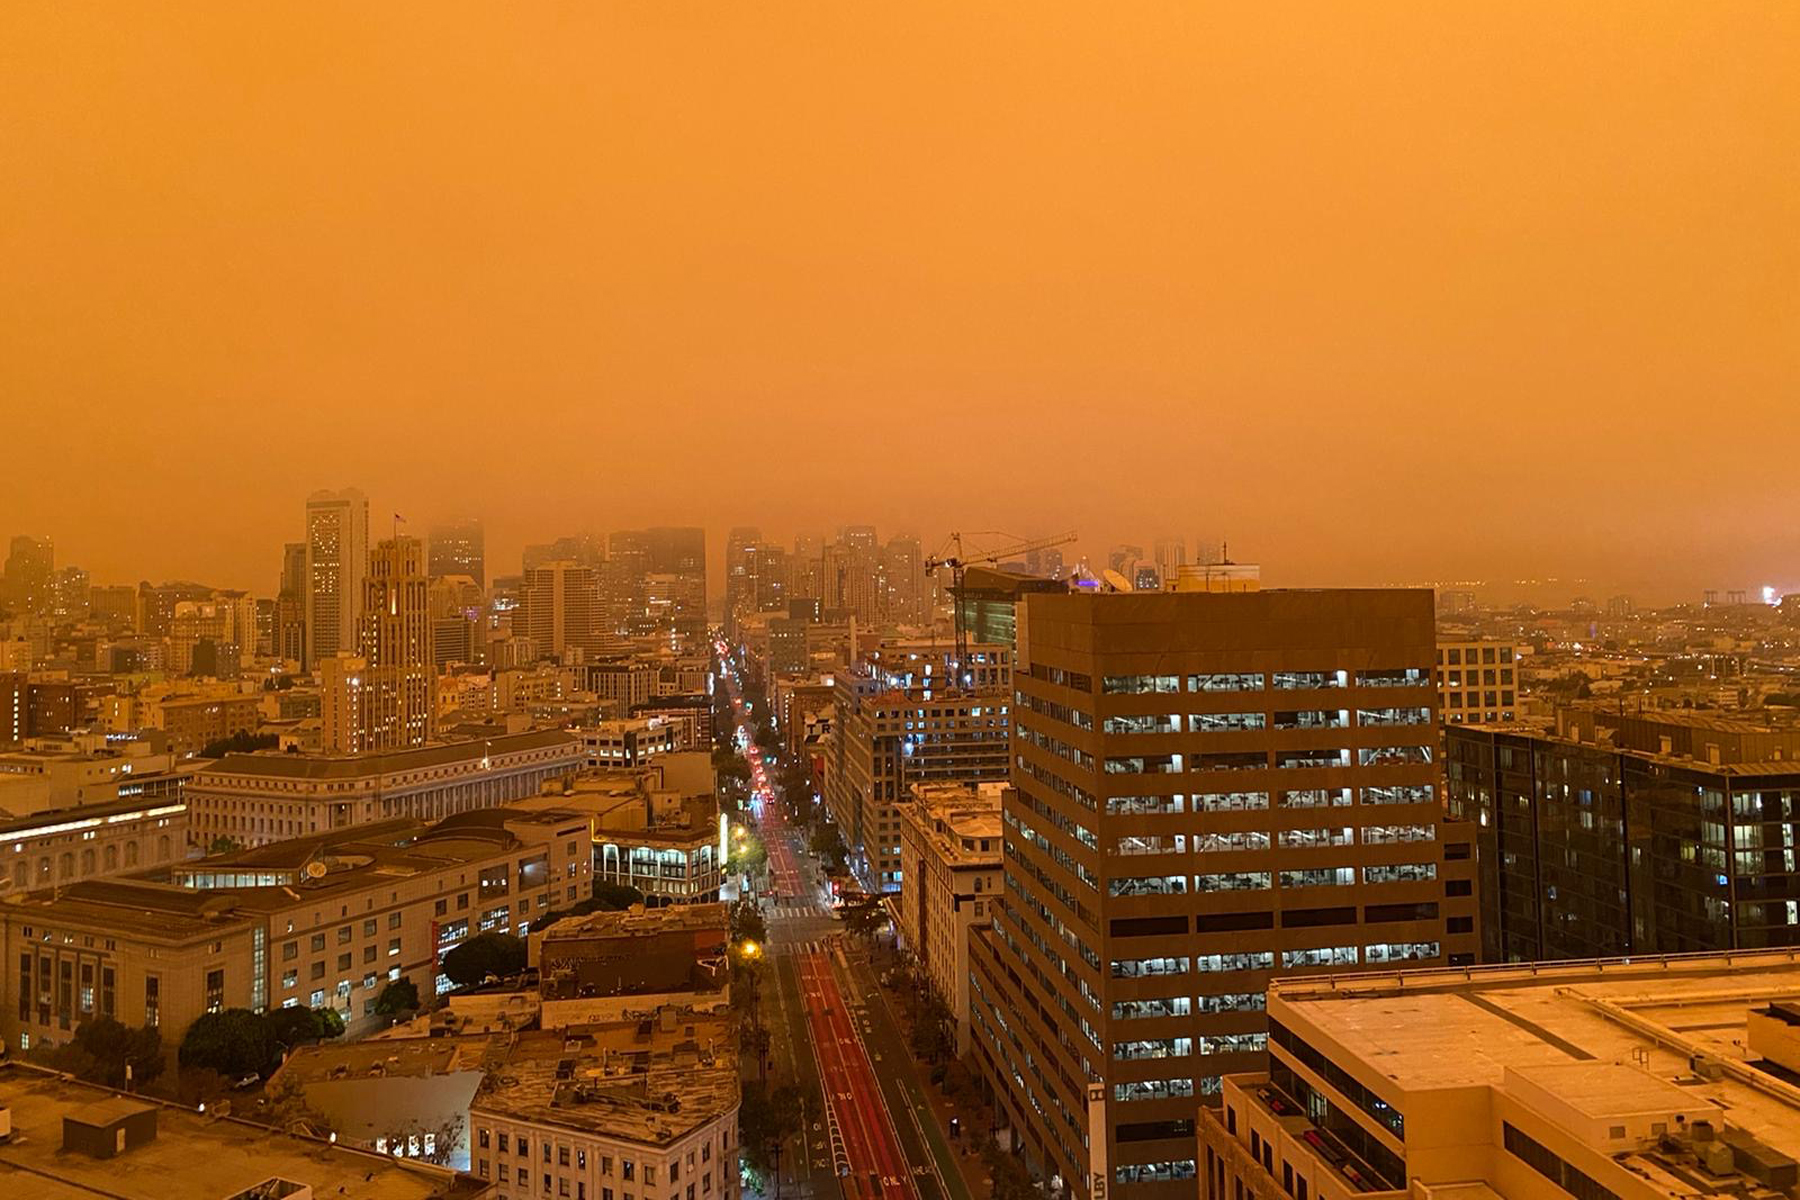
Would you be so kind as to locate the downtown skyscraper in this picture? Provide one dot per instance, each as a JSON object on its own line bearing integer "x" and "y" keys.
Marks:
{"x": 337, "y": 552}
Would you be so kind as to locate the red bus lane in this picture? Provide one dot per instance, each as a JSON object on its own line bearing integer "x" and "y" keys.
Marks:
{"x": 877, "y": 1166}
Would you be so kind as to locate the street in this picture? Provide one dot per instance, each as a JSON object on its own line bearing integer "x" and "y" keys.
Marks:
{"x": 870, "y": 1129}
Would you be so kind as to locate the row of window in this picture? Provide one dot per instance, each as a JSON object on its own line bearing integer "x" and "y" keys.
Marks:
{"x": 1403, "y": 793}
{"x": 1256, "y": 681}
{"x": 1259, "y": 839}
{"x": 1257, "y": 760}
{"x": 1234, "y": 881}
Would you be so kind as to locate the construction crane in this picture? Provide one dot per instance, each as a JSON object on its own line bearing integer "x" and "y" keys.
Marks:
{"x": 957, "y": 561}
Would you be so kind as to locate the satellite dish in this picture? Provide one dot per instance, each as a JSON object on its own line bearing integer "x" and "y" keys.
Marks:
{"x": 315, "y": 870}
{"x": 1116, "y": 581}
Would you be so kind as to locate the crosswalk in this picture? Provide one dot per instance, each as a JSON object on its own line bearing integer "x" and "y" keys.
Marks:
{"x": 792, "y": 912}
{"x": 814, "y": 946}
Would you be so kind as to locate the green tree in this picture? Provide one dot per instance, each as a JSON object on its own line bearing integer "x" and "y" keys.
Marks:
{"x": 399, "y": 996}
{"x": 485, "y": 954}
{"x": 1011, "y": 1178}
{"x": 296, "y": 1026}
{"x": 866, "y": 918}
{"x": 234, "y": 1042}
{"x": 101, "y": 1050}
{"x": 223, "y": 845}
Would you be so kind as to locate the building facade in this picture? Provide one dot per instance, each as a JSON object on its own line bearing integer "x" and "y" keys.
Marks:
{"x": 253, "y": 799}
{"x": 397, "y": 707}
{"x": 337, "y": 553}
{"x": 1478, "y": 682}
{"x": 950, "y": 869}
{"x": 1209, "y": 789}
{"x": 1624, "y": 834}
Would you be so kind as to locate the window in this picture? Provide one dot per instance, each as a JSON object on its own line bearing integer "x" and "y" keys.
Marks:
{"x": 1395, "y": 677}
{"x": 1228, "y": 801}
{"x": 1227, "y": 722}
{"x": 1232, "y": 881}
{"x": 1303, "y": 838}
{"x": 1148, "y": 885}
{"x": 1393, "y": 756}
{"x": 1545, "y": 1162}
{"x": 1300, "y": 680}
{"x": 1389, "y": 835}
{"x": 1400, "y": 873}
{"x": 1319, "y": 877}
{"x": 1179, "y": 1047}
{"x": 1137, "y": 684}
{"x": 1140, "y": 968}
{"x": 1388, "y": 952}
{"x": 1228, "y": 682}
{"x": 1319, "y": 956}
{"x": 215, "y": 990}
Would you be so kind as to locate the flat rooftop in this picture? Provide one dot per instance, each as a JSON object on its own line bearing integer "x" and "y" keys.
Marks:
{"x": 416, "y": 1057}
{"x": 651, "y": 1082}
{"x": 1461, "y": 1027}
{"x": 278, "y": 765}
{"x": 192, "y": 1155}
{"x": 638, "y": 921}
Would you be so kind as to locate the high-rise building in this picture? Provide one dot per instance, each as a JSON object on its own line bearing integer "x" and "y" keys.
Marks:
{"x": 681, "y": 552}
{"x": 344, "y": 704}
{"x": 1647, "y": 1078}
{"x": 395, "y": 642}
{"x": 741, "y": 568}
{"x": 623, "y": 602}
{"x": 69, "y": 589}
{"x": 116, "y": 606}
{"x": 897, "y": 725}
{"x": 337, "y": 556}
{"x": 1171, "y": 555}
{"x": 903, "y": 574}
{"x": 1621, "y": 833}
{"x": 559, "y": 608}
{"x": 27, "y": 578}
{"x": 1209, "y": 789}
{"x": 290, "y": 604}
{"x": 458, "y": 632}
{"x": 457, "y": 549}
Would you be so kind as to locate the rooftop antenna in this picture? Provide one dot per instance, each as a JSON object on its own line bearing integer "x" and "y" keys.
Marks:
{"x": 1115, "y": 581}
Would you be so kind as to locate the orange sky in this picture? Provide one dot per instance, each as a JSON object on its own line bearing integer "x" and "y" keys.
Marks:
{"x": 1381, "y": 291}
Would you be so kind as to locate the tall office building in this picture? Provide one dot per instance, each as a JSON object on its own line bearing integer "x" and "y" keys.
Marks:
{"x": 1209, "y": 790}
{"x": 27, "y": 578}
{"x": 1478, "y": 681}
{"x": 337, "y": 556}
{"x": 395, "y": 644}
{"x": 457, "y": 549}
{"x": 680, "y": 555}
{"x": 559, "y": 607}
{"x": 741, "y": 568}
{"x": 290, "y": 605}
{"x": 623, "y": 600}
{"x": 903, "y": 576}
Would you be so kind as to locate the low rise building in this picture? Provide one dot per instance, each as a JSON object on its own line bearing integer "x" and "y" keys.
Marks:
{"x": 950, "y": 848}
{"x": 320, "y": 922}
{"x": 643, "y": 1107}
{"x": 1641, "y": 1078}
{"x": 67, "y": 1139}
{"x": 628, "y": 741}
{"x": 651, "y": 831}
{"x": 615, "y": 966}
{"x": 253, "y": 799}
{"x": 62, "y": 846}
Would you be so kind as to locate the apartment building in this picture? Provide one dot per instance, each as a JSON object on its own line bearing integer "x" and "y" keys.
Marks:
{"x": 950, "y": 872}
{"x": 649, "y": 832}
{"x": 1612, "y": 1079}
{"x": 656, "y": 1117}
{"x": 325, "y": 921}
{"x": 1621, "y": 833}
{"x": 1478, "y": 682}
{"x": 254, "y": 799}
{"x": 1209, "y": 789}
{"x": 898, "y": 723}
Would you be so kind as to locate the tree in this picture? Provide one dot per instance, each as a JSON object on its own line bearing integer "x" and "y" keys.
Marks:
{"x": 223, "y": 845}
{"x": 296, "y": 1026}
{"x": 399, "y": 996}
{"x": 747, "y": 922}
{"x": 485, "y": 954}
{"x": 101, "y": 1050}
{"x": 234, "y": 1042}
{"x": 766, "y": 1119}
{"x": 1012, "y": 1180}
{"x": 241, "y": 742}
{"x": 828, "y": 844}
{"x": 866, "y": 918}
{"x": 614, "y": 897}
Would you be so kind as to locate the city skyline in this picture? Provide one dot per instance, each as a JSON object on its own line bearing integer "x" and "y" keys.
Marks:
{"x": 1215, "y": 268}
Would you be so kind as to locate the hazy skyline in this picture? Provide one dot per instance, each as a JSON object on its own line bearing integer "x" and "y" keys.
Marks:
{"x": 1381, "y": 292}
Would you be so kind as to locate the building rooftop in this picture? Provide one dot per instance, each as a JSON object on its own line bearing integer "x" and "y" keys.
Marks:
{"x": 1608, "y": 1038}
{"x": 651, "y": 1081}
{"x": 202, "y": 1156}
{"x": 957, "y": 818}
{"x": 414, "y": 1057}
{"x": 278, "y": 765}
{"x": 638, "y": 921}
